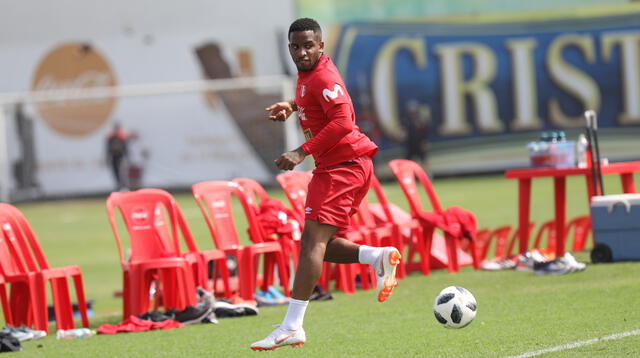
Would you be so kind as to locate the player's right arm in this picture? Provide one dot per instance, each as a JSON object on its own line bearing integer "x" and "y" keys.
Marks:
{"x": 282, "y": 110}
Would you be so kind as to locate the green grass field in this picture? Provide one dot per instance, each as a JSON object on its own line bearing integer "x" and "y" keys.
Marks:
{"x": 518, "y": 312}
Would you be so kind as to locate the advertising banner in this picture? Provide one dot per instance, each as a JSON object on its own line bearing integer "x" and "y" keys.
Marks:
{"x": 468, "y": 97}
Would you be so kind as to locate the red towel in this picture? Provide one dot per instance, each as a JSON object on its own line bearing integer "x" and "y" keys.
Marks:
{"x": 278, "y": 221}
{"x": 135, "y": 324}
{"x": 456, "y": 221}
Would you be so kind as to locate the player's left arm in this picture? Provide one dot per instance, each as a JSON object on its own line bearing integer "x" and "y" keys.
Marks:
{"x": 330, "y": 135}
{"x": 341, "y": 124}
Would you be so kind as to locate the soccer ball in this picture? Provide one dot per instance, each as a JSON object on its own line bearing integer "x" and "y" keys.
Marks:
{"x": 455, "y": 307}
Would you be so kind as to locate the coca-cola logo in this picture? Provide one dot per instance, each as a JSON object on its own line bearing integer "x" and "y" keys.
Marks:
{"x": 139, "y": 215}
{"x": 73, "y": 68}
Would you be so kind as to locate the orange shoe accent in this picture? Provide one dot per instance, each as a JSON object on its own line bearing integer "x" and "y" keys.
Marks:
{"x": 295, "y": 345}
{"x": 394, "y": 258}
{"x": 390, "y": 282}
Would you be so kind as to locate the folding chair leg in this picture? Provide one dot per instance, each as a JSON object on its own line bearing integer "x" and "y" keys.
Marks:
{"x": 126, "y": 292}
{"x": 282, "y": 273}
{"x": 20, "y": 301}
{"x": 62, "y": 303}
{"x": 424, "y": 250}
{"x": 267, "y": 273}
{"x": 6, "y": 309}
{"x": 38, "y": 298}
{"x": 82, "y": 304}
{"x": 452, "y": 252}
{"x": 224, "y": 275}
{"x": 247, "y": 278}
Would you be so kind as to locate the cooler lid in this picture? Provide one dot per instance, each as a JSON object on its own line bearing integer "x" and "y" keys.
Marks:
{"x": 626, "y": 200}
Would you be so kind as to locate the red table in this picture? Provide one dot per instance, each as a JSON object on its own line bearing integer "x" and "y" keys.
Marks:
{"x": 524, "y": 176}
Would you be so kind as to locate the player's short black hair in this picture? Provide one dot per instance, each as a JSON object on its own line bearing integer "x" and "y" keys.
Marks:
{"x": 305, "y": 24}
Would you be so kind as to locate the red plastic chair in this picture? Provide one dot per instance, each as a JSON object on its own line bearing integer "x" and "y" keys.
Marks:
{"x": 295, "y": 185}
{"x": 155, "y": 256}
{"x": 452, "y": 226}
{"x": 24, "y": 294}
{"x": 23, "y": 262}
{"x": 549, "y": 229}
{"x": 254, "y": 192}
{"x": 515, "y": 237}
{"x": 410, "y": 231}
{"x": 199, "y": 259}
{"x": 214, "y": 199}
{"x": 499, "y": 237}
{"x": 581, "y": 227}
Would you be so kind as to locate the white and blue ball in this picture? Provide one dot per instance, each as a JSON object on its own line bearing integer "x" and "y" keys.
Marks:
{"x": 455, "y": 307}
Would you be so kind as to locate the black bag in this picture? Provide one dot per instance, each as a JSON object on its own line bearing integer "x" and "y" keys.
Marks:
{"x": 9, "y": 343}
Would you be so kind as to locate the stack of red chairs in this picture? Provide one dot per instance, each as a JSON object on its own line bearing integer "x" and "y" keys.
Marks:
{"x": 503, "y": 239}
{"x": 155, "y": 256}
{"x": 456, "y": 223}
{"x": 200, "y": 260}
{"x": 214, "y": 199}
{"x": 24, "y": 266}
{"x": 580, "y": 226}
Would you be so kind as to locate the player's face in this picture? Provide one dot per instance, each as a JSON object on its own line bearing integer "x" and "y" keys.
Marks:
{"x": 305, "y": 48}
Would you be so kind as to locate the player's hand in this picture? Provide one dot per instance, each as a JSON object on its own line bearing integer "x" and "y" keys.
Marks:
{"x": 289, "y": 160}
{"x": 280, "y": 111}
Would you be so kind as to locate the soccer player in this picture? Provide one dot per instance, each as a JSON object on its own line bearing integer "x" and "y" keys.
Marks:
{"x": 340, "y": 181}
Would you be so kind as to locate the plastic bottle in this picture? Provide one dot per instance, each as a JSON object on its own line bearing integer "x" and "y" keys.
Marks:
{"x": 74, "y": 333}
{"x": 554, "y": 137}
{"x": 562, "y": 136}
{"x": 544, "y": 137}
{"x": 581, "y": 151}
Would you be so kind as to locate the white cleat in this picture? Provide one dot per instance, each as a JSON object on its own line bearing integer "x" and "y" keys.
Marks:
{"x": 385, "y": 269}
{"x": 281, "y": 337}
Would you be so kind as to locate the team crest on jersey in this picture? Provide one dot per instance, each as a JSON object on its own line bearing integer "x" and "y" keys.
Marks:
{"x": 329, "y": 95}
{"x": 302, "y": 88}
{"x": 307, "y": 134}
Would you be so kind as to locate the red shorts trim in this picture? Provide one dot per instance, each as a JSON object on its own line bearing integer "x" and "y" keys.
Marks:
{"x": 335, "y": 192}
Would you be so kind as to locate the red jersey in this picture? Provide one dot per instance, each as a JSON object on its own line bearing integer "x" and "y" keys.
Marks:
{"x": 327, "y": 117}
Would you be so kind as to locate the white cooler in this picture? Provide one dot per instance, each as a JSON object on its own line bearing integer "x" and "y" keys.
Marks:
{"x": 615, "y": 221}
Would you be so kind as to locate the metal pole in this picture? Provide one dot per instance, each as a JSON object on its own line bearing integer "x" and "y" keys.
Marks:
{"x": 588, "y": 115}
{"x": 592, "y": 130}
{"x": 4, "y": 154}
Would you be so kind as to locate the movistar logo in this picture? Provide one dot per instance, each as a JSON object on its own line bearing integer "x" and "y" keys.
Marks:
{"x": 329, "y": 95}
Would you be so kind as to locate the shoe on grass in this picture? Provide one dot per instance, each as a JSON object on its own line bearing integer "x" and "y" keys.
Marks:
{"x": 281, "y": 337}
{"x": 193, "y": 314}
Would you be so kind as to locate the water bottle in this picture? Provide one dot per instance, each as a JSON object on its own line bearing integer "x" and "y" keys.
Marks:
{"x": 554, "y": 137}
{"x": 562, "y": 136}
{"x": 544, "y": 137}
{"x": 74, "y": 333}
{"x": 581, "y": 151}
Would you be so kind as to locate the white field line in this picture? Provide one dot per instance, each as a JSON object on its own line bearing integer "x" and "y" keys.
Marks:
{"x": 578, "y": 344}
